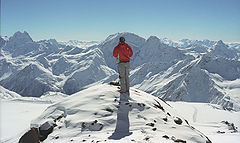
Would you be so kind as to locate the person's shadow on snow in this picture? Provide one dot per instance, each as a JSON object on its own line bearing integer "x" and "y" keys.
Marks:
{"x": 122, "y": 125}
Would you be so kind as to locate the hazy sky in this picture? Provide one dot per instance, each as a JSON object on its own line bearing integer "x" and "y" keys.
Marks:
{"x": 96, "y": 19}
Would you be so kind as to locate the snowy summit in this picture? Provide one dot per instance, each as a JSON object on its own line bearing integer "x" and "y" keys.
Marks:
{"x": 101, "y": 114}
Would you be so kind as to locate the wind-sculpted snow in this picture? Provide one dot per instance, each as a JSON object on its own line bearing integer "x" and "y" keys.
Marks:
{"x": 101, "y": 114}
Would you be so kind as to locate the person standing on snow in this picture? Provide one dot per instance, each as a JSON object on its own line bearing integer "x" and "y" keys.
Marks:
{"x": 123, "y": 52}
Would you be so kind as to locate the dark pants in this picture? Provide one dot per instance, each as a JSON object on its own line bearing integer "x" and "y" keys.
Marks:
{"x": 123, "y": 69}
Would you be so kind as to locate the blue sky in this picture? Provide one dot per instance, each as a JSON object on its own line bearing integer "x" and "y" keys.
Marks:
{"x": 96, "y": 19}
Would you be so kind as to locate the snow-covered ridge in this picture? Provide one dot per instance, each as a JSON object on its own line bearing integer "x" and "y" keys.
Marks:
{"x": 102, "y": 114}
{"x": 6, "y": 94}
{"x": 80, "y": 44}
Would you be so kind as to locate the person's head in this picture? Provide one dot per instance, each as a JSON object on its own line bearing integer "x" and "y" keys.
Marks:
{"x": 121, "y": 39}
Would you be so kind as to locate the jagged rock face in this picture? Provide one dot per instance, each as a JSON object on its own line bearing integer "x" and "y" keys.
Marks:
{"x": 194, "y": 85}
{"x": 222, "y": 50}
{"x": 2, "y": 42}
{"x": 101, "y": 113}
{"x": 226, "y": 68}
{"x": 20, "y": 44}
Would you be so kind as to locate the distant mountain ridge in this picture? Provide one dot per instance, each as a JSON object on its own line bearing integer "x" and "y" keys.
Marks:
{"x": 198, "y": 71}
{"x": 79, "y": 43}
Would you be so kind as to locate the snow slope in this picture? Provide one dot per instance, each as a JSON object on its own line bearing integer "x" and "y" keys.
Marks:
{"x": 16, "y": 117}
{"x": 7, "y": 94}
{"x": 17, "y": 112}
{"x": 128, "y": 121}
{"x": 100, "y": 113}
{"x": 209, "y": 119}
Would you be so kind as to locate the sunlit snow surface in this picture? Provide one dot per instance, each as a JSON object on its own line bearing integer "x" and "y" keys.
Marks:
{"x": 101, "y": 102}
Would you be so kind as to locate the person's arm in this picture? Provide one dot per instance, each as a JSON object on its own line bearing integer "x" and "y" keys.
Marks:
{"x": 115, "y": 51}
{"x": 130, "y": 51}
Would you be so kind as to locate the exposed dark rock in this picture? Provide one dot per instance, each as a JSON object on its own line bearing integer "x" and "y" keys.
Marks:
{"x": 150, "y": 124}
{"x": 220, "y": 132}
{"x": 109, "y": 110}
{"x": 165, "y": 136}
{"x": 165, "y": 119}
{"x": 231, "y": 126}
{"x": 58, "y": 118}
{"x": 154, "y": 129}
{"x": 45, "y": 129}
{"x": 158, "y": 105}
{"x": 147, "y": 138}
{"x": 179, "y": 141}
{"x": 30, "y": 137}
{"x": 115, "y": 83}
{"x": 83, "y": 125}
{"x": 178, "y": 121}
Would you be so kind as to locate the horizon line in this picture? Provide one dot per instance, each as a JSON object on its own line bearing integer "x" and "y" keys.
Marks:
{"x": 67, "y": 40}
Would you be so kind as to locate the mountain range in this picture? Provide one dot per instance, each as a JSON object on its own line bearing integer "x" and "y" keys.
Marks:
{"x": 186, "y": 70}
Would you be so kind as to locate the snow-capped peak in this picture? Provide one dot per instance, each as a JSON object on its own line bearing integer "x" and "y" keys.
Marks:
{"x": 21, "y": 37}
{"x": 220, "y": 43}
{"x": 53, "y": 41}
{"x": 153, "y": 39}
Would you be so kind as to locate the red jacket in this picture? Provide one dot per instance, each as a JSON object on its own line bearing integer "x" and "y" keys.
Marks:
{"x": 124, "y": 51}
